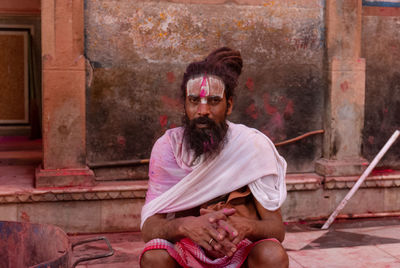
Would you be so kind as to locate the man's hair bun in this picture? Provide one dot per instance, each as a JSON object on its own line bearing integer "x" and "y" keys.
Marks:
{"x": 229, "y": 58}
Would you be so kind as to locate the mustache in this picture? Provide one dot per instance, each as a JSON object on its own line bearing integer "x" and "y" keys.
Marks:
{"x": 203, "y": 120}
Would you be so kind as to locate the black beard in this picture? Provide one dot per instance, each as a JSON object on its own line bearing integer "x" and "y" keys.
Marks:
{"x": 209, "y": 140}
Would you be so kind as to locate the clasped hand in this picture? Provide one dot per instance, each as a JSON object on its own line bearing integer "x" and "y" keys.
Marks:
{"x": 213, "y": 230}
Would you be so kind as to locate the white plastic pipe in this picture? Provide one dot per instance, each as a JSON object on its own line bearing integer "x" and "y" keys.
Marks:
{"x": 360, "y": 180}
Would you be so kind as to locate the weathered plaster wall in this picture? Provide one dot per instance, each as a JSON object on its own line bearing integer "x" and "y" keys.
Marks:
{"x": 381, "y": 48}
{"x": 138, "y": 50}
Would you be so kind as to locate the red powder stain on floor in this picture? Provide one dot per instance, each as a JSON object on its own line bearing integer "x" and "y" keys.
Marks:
{"x": 250, "y": 84}
{"x": 173, "y": 103}
{"x": 171, "y": 77}
{"x": 344, "y": 86}
{"x": 252, "y": 111}
{"x": 172, "y": 126}
{"x": 163, "y": 120}
{"x": 385, "y": 110}
{"x": 25, "y": 217}
{"x": 268, "y": 108}
{"x": 288, "y": 109}
{"x": 121, "y": 140}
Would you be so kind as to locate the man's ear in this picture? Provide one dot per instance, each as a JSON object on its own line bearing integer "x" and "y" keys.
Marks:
{"x": 229, "y": 106}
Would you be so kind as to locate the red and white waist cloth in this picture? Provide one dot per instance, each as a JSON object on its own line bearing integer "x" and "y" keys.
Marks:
{"x": 189, "y": 254}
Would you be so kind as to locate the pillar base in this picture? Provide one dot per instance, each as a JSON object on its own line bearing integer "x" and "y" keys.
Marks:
{"x": 69, "y": 177}
{"x": 347, "y": 167}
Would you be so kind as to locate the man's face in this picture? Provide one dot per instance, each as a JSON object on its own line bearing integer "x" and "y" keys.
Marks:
{"x": 205, "y": 97}
{"x": 206, "y": 109}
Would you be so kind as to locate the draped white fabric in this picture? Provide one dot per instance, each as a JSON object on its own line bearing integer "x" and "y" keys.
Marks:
{"x": 248, "y": 158}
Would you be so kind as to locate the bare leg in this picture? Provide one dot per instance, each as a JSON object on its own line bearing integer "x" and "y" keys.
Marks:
{"x": 267, "y": 254}
{"x": 158, "y": 258}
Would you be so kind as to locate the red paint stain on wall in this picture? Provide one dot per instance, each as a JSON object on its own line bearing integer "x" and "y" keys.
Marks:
{"x": 171, "y": 77}
{"x": 268, "y": 108}
{"x": 288, "y": 109}
{"x": 163, "y": 120}
{"x": 121, "y": 140}
{"x": 344, "y": 86}
{"x": 371, "y": 139}
{"x": 252, "y": 111}
{"x": 250, "y": 84}
{"x": 275, "y": 127}
{"x": 172, "y": 103}
{"x": 277, "y": 121}
{"x": 25, "y": 217}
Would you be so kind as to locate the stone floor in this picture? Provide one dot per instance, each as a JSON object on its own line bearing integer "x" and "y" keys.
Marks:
{"x": 352, "y": 243}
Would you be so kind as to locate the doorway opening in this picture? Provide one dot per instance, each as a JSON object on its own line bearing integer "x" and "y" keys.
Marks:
{"x": 20, "y": 101}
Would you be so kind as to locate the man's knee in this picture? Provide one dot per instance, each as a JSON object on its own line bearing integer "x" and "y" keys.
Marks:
{"x": 157, "y": 258}
{"x": 268, "y": 254}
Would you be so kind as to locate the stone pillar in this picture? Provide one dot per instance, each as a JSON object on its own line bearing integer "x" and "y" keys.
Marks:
{"x": 344, "y": 112}
{"x": 64, "y": 126}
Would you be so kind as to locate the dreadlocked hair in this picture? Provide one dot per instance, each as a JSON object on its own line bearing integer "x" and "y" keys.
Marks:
{"x": 223, "y": 62}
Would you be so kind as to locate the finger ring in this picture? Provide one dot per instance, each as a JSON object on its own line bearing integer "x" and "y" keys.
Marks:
{"x": 209, "y": 242}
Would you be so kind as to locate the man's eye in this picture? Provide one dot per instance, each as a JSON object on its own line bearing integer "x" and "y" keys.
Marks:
{"x": 194, "y": 99}
{"x": 214, "y": 100}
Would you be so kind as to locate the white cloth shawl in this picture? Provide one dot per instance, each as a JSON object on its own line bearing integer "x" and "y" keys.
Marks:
{"x": 248, "y": 158}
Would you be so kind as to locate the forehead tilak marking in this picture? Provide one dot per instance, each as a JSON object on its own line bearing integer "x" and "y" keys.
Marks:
{"x": 205, "y": 87}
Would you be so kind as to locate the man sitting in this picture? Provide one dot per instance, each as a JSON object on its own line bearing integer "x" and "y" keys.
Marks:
{"x": 215, "y": 187}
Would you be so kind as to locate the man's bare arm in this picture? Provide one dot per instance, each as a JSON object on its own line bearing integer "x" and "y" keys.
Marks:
{"x": 157, "y": 226}
{"x": 270, "y": 226}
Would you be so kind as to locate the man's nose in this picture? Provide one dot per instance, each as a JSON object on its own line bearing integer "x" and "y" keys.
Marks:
{"x": 203, "y": 109}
